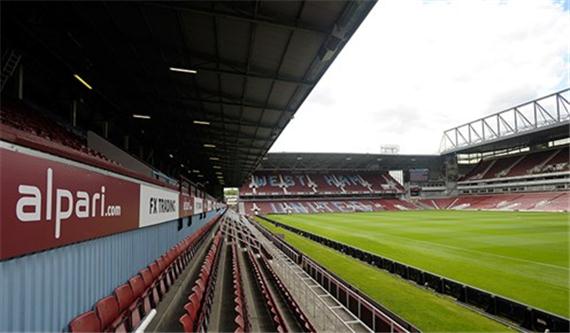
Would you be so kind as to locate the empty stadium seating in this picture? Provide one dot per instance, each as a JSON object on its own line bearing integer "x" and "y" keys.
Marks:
{"x": 540, "y": 201}
{"x": 291, "y": 303}
{"x": 27, "y": 123}
{"x": 200, "y": 300}
{"x": 124, "y": 309}
{"x": 241, "y": 319}
{"x": 547, "y": 161}
{"x": 286, "y": 183}
{"x": 325, "y": 205}
{"x": 269, "y": 301}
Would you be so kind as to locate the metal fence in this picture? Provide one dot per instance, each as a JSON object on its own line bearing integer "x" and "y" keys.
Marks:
{"x": 325, "y": 313}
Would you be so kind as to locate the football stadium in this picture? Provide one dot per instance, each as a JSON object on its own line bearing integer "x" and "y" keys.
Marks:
{"x": 142, "y": 190}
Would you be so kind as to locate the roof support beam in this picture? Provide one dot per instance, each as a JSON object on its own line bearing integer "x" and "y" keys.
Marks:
{"x": 203, "y": 61}
{"x": 274, "y": 22}
{"x": 213, "y": 118}
{"x": 245, "y": 104}
{"x": 257, "y": 75}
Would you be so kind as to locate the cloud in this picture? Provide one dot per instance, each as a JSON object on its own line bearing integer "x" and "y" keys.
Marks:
{"x": 417, "y": 68}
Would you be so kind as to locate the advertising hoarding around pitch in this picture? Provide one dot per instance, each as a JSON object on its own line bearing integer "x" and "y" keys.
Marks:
{"x": 48, "y": 202}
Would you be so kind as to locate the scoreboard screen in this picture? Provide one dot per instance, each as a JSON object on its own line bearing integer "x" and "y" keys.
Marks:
{"x": 419, "y": 175}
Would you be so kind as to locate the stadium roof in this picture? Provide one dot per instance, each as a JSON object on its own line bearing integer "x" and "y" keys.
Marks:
{"x": 347, "y": 161}
{"x": 536, "y": 122}
{"x": 255, "y": 63}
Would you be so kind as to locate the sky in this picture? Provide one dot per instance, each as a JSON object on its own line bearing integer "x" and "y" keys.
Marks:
{"x": 416, "y": 68}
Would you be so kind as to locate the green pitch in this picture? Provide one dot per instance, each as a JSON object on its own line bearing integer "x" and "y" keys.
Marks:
{"x": 523, "y": 256}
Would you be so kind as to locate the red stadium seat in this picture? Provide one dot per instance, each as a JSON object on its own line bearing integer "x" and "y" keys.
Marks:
{"x": 125, "y": 296}
{"x": 85, "y": 322}
{"x": 128, "y": 304}
{"x": 186, "y": 323}
{"x": 107, "y": 310}
{"x": 137, "y": 285}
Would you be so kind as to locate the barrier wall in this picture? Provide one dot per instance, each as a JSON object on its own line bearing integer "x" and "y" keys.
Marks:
{"x": 47, "y": 202}
{"x": 45, "y": 290}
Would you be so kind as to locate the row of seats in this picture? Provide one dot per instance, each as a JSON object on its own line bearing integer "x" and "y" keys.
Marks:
{"x": 245, "y": 235}
{"x": 200, "y": 300}
{"x": 291, "y": 303}
{"x": 242, "y": 318}
{"x": 283, "y": 183}
{"x": 269, "y": 301}
{"x": 324, "y": 206}
{"x": 130, "y": 302}
{"x": 539, "y": 201}
{"x": 521, "y": 165}
{"x": 27, "y": 120}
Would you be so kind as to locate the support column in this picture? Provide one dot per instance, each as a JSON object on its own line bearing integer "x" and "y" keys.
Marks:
{"x": 74, "y": 113}
{"x": 21, "y": 81}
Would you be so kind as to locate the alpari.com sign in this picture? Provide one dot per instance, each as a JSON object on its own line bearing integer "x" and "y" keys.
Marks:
{"x": 34, "y": 202}
{"x": 46, "y": 204}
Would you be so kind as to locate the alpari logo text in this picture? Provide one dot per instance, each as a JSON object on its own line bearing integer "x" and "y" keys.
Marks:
{"x": 82, "y": 204}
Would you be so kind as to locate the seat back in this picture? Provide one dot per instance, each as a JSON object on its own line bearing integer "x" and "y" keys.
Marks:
{"x": 125, "y": 296}
{"x": 137, "y": 285}
{"x": 107, "y": 310}
{"x": 85, "y": 322}
{"x": 154, "y": 269}
{"x": 162, "y": 263}
{"x": 186, "y": 323}
{"x": 147, "y": 277}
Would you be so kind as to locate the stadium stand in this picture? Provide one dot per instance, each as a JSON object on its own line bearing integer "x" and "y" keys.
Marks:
{"x": 200, "y": 301}
{"x": 541, "y": 201}
{"x": 325, "y": 205}
{"x": 262, "y": 284}
{"x": 300, "y": 316}
{"x": 21, "y": 123}
{"x": 318, "y": 183}
{"x": 547, "y": 161}
{"x": 130, "y": 302}
{"x": 241, "y": 318}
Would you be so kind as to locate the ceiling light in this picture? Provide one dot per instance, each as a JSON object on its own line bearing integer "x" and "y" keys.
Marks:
{"x": 201, "y": 122}
{"x": 196, "y": 171}
{"x": 183, "y": 70}
{"x": 189, "y": 171}
{"x": 219, "y": 173}
{"x": 82, "y": 81}
{"x": 200, "y": 176}
{"x": 213, "y": 158}
{"x": 299, "y": 158}
{"x": 209, "y": 145}
{"x": 181, "y": 165}
{"x": 141, "y": 116}
{"x": 217, "y": 167}
{"x": 170, "y": 155}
